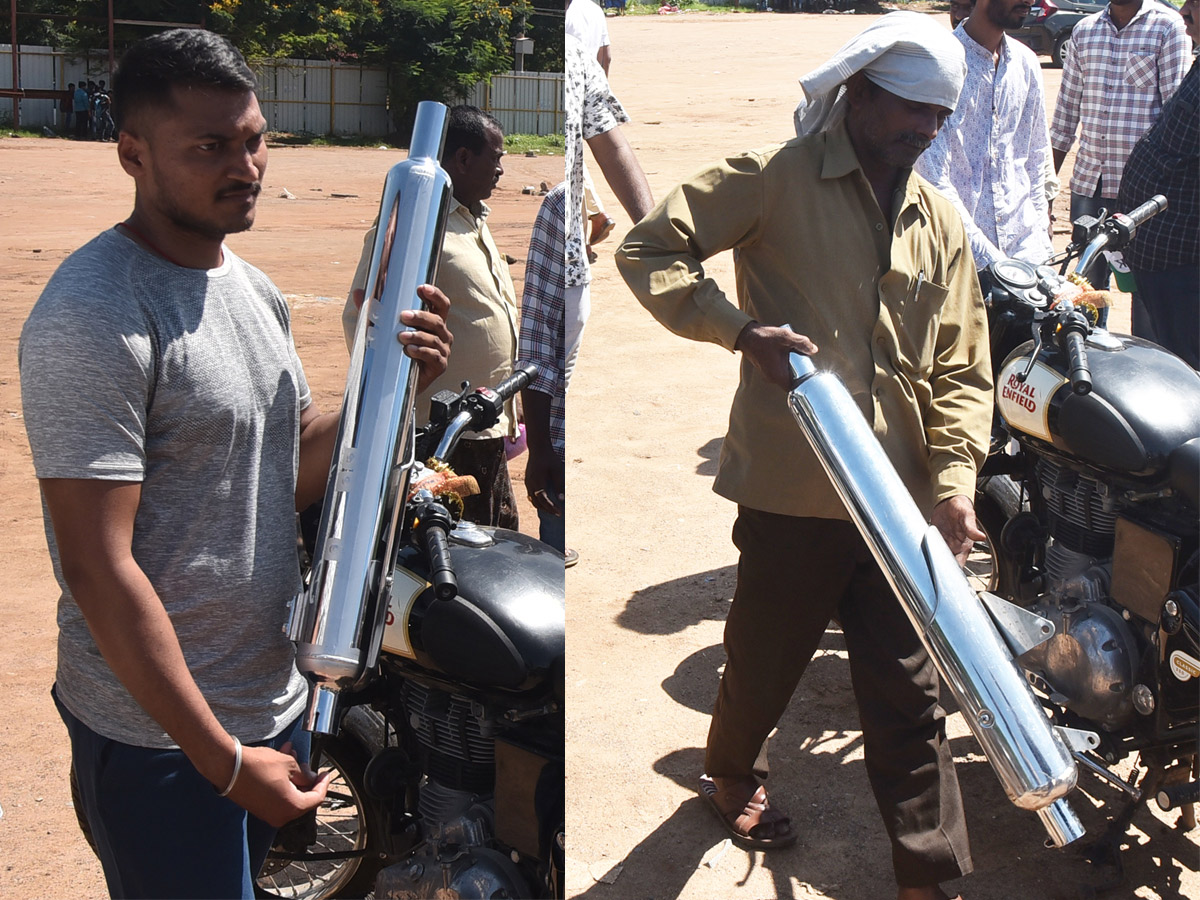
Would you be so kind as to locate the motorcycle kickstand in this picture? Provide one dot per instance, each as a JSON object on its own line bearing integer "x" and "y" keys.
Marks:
{"x": 1106, "y": 850}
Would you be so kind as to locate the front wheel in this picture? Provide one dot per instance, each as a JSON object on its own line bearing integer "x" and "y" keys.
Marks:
{"x": 983, "y": 569}
{"x": 338, "y": 863}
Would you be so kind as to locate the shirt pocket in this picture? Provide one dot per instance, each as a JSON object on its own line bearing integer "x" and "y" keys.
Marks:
{"x": 1141, "y": 72}
{"x": 918, "y": 328}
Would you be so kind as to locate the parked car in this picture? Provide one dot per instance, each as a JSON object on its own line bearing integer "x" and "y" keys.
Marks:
{"x": 1048, "y": 26}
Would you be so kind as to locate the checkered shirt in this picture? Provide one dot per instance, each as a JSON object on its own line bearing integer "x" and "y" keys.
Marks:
{"x": 1167, "y": 161}
{"x": 1113, "y": 88}
{"x": 543, "y": 305}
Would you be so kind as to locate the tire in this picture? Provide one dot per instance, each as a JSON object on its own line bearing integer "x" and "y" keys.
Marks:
{"x": 1060, "y": 49}
{"x": 341, "y": 827}
{"x": 981, "y": 569}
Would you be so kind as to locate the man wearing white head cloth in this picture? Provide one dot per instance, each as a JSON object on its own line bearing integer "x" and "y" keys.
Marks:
{"x": 835, "y": 235}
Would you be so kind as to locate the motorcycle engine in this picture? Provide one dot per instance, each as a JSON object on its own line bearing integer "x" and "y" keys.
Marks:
{"x": 1089, "y": 664}
{"x": 456, "y": 806}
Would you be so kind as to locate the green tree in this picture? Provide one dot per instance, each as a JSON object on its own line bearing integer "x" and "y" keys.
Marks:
{"x": 546, "y": 27}
{"x": 82, "y": 25}
{"x": 438, "y": 49}
{"x": 301, "y": 30}
{"x": 433, "y": 49}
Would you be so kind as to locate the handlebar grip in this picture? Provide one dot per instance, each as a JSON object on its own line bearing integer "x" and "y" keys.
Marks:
{"x": 518, "y": 380}
{"x": 441, "y": 569}
{"x": 1080, "y": 374}
{"x": 1149, "y": 209}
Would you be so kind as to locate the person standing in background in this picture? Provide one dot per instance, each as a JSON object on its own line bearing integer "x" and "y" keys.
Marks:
{"x": 1124, "y": 63}
{"x": 80, "y": 104}
{"x": 473, "y": 273}
{"x": 541, "y": 343}
{"x": 1165, "y": 253}
{"x": 990, "y": 157}
{"x": 593, "y": 115}
{"x": 587, "y": 22}
{"x": 959, "y": 10}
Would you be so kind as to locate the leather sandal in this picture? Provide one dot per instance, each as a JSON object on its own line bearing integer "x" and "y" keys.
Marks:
{"x": 747, "y": 815}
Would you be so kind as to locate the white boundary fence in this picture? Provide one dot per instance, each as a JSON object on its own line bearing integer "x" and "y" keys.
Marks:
{"x": 297, "y": 95}
{"x": 322, "y": 97}
{"x": 523, "y": 102}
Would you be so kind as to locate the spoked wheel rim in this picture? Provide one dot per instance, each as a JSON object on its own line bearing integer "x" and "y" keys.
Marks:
{"x": 980, "y": 569}
{"x": 332, "y": 861}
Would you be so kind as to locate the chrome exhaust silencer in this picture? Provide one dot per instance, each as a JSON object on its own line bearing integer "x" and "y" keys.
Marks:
{"x": 1027, "y": 753}
{"x": 337, "y": 619}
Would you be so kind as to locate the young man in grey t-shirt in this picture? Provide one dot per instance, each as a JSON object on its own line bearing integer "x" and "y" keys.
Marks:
{"x": 173, "y": 437}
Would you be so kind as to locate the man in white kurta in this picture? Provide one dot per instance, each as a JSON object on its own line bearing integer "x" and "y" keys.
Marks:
{"x": 990, "y": 157}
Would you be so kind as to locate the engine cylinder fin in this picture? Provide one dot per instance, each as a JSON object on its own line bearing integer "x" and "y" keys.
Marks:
{"x": 457, "y": 746}
{"x": 1081, "y": 519}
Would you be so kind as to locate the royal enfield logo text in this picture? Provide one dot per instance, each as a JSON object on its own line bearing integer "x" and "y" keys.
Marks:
{"x": 1019, "y": 392}
{"x": 1024, "y": 404}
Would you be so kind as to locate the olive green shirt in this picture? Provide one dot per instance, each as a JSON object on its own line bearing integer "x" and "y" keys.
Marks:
{"x": 473, "y": 274}
{"x": 894, "y": 309}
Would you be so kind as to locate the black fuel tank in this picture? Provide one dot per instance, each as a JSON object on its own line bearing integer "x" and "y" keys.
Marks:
{"x": 507, "y": 626}
{"x": 1144, "y": 403}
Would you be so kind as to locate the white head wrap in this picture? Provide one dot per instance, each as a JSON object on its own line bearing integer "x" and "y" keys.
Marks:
{"x": 906, "y": 53}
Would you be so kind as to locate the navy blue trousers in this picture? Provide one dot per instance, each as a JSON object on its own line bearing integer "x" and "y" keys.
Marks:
{"x": 1166, "y": 310}
{"x": 157, "y": 824}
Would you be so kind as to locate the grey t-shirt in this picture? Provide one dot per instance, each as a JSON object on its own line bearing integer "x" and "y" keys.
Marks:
{"x": 134, "y": 369}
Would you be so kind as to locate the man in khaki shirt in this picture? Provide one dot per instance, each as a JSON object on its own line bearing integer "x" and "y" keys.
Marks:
{"x": 834, "y": 235}
{"x": 483, "y": 311}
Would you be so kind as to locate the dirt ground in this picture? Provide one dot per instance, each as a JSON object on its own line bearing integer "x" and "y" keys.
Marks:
{"x": 54, "y": 196}
{"x": 647, "y": 412}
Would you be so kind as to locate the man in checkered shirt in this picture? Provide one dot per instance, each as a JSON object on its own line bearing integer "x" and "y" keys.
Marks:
{"x": 1124, "y": 63}
{"x": 543, "y": 305}
{"x": 1165, "y": 254}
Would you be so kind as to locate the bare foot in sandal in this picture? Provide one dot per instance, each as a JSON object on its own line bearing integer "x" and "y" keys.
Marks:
{"x": 742, "y": 806}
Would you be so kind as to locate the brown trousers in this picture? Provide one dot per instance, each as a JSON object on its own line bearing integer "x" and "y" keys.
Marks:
{"x": 794, "y": 575}
{"x": 495, "y": 503}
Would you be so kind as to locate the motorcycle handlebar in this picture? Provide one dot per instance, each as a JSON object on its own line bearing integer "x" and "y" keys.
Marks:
{"x": 1116, "y": 231}
{"x": 483, "y": 408}
{"x": 1149, "y": 209}
{"x": 517, "y": 381}
{"x": 1080, "y": 374}
{"x": 441, "y": 572}
{"x": 433, "y": 531}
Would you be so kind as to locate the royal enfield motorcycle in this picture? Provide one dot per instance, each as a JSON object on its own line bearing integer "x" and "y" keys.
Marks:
{"x": 1079, "y": 647}
{"x": 434, "y": 648}
{"x": 1091, "y": 499}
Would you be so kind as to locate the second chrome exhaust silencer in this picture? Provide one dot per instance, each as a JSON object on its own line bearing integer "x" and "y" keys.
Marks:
{"x": 1030, "y": 757}
{"x": 337, "y": 619}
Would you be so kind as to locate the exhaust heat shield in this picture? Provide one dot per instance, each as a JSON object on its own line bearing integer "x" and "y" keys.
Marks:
{"x": 1031, "y": 759}
{"x": 337, "y": 619}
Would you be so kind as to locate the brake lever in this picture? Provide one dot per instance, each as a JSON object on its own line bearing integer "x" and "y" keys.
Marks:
{"x": 1039, "y": 317}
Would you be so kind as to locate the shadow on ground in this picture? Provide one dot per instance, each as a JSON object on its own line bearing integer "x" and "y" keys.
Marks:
{"x": 711, "y": 452}
{"x": 842, "y": 853}
{"x": 672, "y": 606}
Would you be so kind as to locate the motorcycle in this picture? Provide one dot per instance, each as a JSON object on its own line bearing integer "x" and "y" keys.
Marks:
{"x": 434, "y": 647}
{"x": 450, "y": 764}
{"x": 1082, "y": 645}
{"x": 1090, "y": 497}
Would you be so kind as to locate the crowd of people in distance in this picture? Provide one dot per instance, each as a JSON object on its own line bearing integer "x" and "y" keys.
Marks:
{"x": 87, "y": 112}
